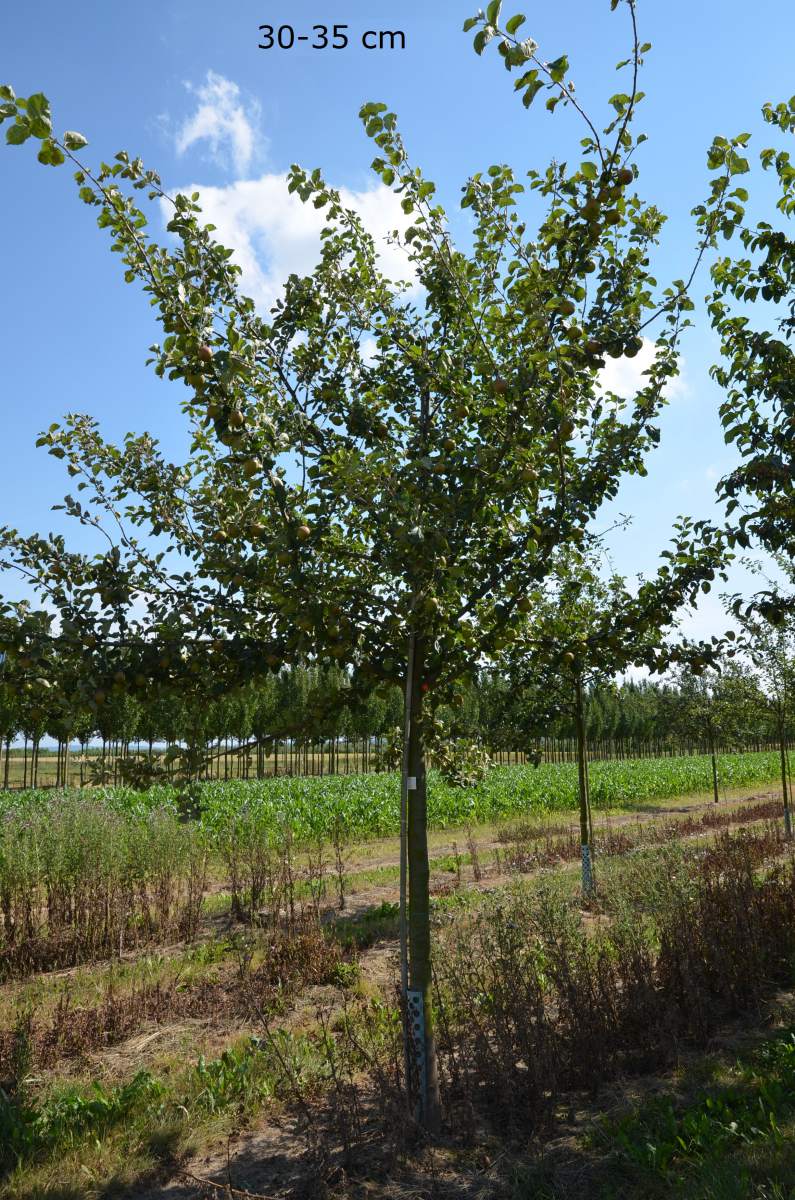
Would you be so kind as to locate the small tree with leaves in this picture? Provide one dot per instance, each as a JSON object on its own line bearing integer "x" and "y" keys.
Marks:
{"x": 771, "y": 649}
{"x": 758, "y": 365}
{"x": 387, "y": 510}
{"x": 588, "y": 626}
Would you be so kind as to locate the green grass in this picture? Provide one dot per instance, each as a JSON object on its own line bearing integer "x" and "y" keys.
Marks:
{"x": 732, "y": 1140}
{"x": 98, "y": 1138}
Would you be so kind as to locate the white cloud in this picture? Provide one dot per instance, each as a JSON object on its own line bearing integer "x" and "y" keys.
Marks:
{"x": 625, "y": 376}
{"x": 274, "y": 234}
{"x": 223, "y": 120}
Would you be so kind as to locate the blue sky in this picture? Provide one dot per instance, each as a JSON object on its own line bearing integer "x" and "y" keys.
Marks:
{"x": 182, "y": 83}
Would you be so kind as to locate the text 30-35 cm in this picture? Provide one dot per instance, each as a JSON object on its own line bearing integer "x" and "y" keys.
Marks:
{"x": 329, "y": 37}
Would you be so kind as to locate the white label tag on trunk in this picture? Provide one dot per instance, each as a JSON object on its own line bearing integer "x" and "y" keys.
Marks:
{"x": 411, "y": 783}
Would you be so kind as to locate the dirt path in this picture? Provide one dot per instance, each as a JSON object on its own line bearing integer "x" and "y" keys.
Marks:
{"x": 384, "y": 853}
{"x": 368, "y": 896}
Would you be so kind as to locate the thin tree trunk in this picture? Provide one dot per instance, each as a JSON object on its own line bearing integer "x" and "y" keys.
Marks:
{"x": 785, "y": 783}
{"x": 419, "y": 903}
{"x": 714, "y": 766}
{"x": 588, "y": 880}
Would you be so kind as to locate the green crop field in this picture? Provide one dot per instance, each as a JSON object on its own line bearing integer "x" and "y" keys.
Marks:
{"x": 83, "y": 856}
{"x": 368, "y": 806}
{"x": 365, "y": 806}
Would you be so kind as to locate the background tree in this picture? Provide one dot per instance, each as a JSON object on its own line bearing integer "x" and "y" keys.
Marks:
{"x": 758, "y": 367}
{"x": 585, "y": 629}
{"x": 720, "y": 701}
{"x": 771, "y": 649}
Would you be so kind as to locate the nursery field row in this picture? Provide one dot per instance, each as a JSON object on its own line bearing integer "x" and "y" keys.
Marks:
{"x": 523, "y": 976}
{"x": 368, "y": 806}
{"x": 365, "y": 806}
{"x": 87, "y": 874}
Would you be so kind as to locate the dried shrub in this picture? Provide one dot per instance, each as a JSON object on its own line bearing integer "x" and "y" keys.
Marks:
{"x": 534, "y": 1001}
{"x": 81, "y": 880}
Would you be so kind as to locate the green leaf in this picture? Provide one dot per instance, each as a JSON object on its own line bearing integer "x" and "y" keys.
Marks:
{"x": 470, "y": 23}
{"x": 482, "y": 38}
{"x": 50, "y": 154}
{"x": 74, "y": 141}
{"x": 38, "y": 109}
{"x": 515, "y": 56}
{"x": 558, "y": 68}
{"x": 493, "y": 12}
{"x": 589, "y": 170}
{"x": 737, "y": 164}
{"x": 531, "y": 92}
{"x": 514, "y": 23}
{"x": 19, "y": 132}
{"x": 7, "y": 92}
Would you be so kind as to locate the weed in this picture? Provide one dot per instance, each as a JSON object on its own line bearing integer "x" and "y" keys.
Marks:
{"x": 677, "y": 1142}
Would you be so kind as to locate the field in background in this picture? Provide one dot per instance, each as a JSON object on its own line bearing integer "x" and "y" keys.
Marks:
{"x": 368, "y": 805}
{"x": 19, "y": 769}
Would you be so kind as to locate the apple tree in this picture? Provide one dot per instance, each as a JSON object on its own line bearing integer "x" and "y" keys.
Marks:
{"x": 770, "y": 646}
{"x": 752, "y": 308}
{"x": 587, "y": 625}
{"x": 380, "y": 473}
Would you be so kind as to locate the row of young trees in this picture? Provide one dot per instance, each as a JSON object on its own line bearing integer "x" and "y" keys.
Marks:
{"x": 404, "y": 513}
{"x": 304, "y": 721}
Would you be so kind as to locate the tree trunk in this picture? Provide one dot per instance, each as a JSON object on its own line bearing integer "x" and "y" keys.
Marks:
{"x": 785, "y": 782}
{"x": 419, "y": 926}
{"x": 588, "y": 880}
{"x": 714, "y": 766}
